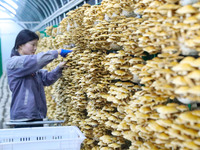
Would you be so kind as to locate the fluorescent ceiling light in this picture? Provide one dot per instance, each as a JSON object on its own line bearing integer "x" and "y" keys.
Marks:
{"x": 11, "y": 3}
{"x": 4, "y": 14}
{"x": 8, "y": 7}
{"x": 2, "y": 8}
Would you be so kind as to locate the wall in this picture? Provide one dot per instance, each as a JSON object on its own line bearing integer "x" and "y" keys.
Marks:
{"x": 8, "y": 33}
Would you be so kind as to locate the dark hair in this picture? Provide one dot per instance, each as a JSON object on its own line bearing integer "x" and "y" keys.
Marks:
{"x": 23, "y": 37}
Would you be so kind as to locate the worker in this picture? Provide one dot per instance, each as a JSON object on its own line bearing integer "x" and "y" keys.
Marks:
{"x": 27, "y": 79}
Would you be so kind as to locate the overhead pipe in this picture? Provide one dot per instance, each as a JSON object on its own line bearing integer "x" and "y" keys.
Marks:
{"x": 54, "y": 5}
{"x": 44, "y": 8}
{"x": 37, "y": 16}
{"x": 57, "y": 13}
{"x": 50, "y": 7}
{"x": 38, "y": 6}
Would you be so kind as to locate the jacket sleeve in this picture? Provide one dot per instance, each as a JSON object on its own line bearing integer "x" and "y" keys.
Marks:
{"x": 49, "y": 78}
{"x": 24, "y": 65}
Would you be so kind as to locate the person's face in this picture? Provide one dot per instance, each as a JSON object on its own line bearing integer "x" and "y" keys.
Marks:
{"x": 28, "y": 48}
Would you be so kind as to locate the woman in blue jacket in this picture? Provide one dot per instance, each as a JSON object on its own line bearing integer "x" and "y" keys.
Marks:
{"x": 27, "y": 79}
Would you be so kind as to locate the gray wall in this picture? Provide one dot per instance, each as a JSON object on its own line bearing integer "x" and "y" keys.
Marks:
{"x": 8, "y": 33}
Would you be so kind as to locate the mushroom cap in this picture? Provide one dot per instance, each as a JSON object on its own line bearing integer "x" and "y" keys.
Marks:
{"x": 196, "y": 63}
{"x": 197, "y": 5}
{"x": 173, "y": 18}
{"x": 182, "y": 67}
{"x": 117, "y": 61}
{"x": 153, "y": 125}
{"x": 121, "y": 95}
{"x": 182, "y": 108}
{"x": 155, "y": 4}
{"x": 124, "y": 84}
{"x": 166, "y": 87}
{"x": 187, "y": 60}
{"x": 165, "y": 71}
{"x": 191, "y": 19}
{"x": 179, "y": 81}
{"x": 171, "y": 1}
{"x": 167, "y": 24}
{"x": 146, "y": 1}
{"x": 197, "y": 39}
{"x": 167, "y": 109}
{"x": 197, "y": 141}
{"x": 182, "y": 90}
{"x": 138, "y": 66}
{"x": 139, "y": 10}
{"x": 86, "y": 5}
{"x": 194, "y": 75}
{"x": 168, "y": 7}
{"x": 122, "y": 89}
{"x": 187, "y": 9}
{"x": 111, "y": 98}
{"x": 141, "y": 115}
{"x": 191, "y": 132}
{"x": 195, "y": 90}
{"x": 173, "y": 104}
{"x": 79, "y": 93}
{"x": 120, "y": 72}
{"x": 197, "y": 15}
{"x": 149, "y": 48}
{"x": 145, "y": 109}
{"x": 181, "y": 26}
{"x": 195, "y": 26}
{"x": 116, "y": 133}
{"x": 116, "y": 5}
{"x": 135, "y": 60}
{"x": 190, "y": 145}
{"x": 114, "y": 145}
{"x": 190, "y": 43}
{"x": 178, "y": 126}
{"x": 189, "y": 117}
{"x": 148, "y": 10}
{"x": 170, "y": 49}
{"x": 146, "y": 79}
{"x": 196, "y": 112}
{"x": 165, "y": 122}
{"x": 163, "y": 136}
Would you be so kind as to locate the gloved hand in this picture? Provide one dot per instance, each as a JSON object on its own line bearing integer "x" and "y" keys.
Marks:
{"x": 64, "y": 52}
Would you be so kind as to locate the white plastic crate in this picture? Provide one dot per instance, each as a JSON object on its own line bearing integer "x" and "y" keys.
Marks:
{"x": 41, "y": 138}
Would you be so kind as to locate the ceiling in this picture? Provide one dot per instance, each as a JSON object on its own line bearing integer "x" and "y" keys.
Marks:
{"x": 38, "y": 14}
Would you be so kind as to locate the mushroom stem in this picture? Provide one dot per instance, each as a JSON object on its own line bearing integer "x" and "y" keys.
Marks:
{"x": 188, "y": 15}
{"x": 169, "y": 13}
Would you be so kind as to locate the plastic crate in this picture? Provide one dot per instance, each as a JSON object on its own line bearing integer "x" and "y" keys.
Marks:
{"x": 41, "y": 138}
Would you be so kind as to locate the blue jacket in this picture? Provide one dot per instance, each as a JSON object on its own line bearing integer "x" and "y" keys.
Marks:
{"x": 26, "y": 80}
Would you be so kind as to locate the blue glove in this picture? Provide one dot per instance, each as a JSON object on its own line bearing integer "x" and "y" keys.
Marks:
{"x": 64, "y": 52}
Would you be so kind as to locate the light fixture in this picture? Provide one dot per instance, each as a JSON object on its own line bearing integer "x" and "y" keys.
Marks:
{"x": 5, "y": 13}
{"x": 2, "y": 8}
{"x": 6, "y": 6}
{"x": 11, "y": 3}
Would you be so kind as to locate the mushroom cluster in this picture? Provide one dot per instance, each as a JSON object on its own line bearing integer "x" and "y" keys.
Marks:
{"x": 49, "y": 30}
{"x": 113, "y": 8}
{"x": 127, "y": 70}
{"x": 187, "y": 80}
{"x": 157, "y": 73}
{"x": 118, "y": 66}
{"x": 150, "y": 120}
